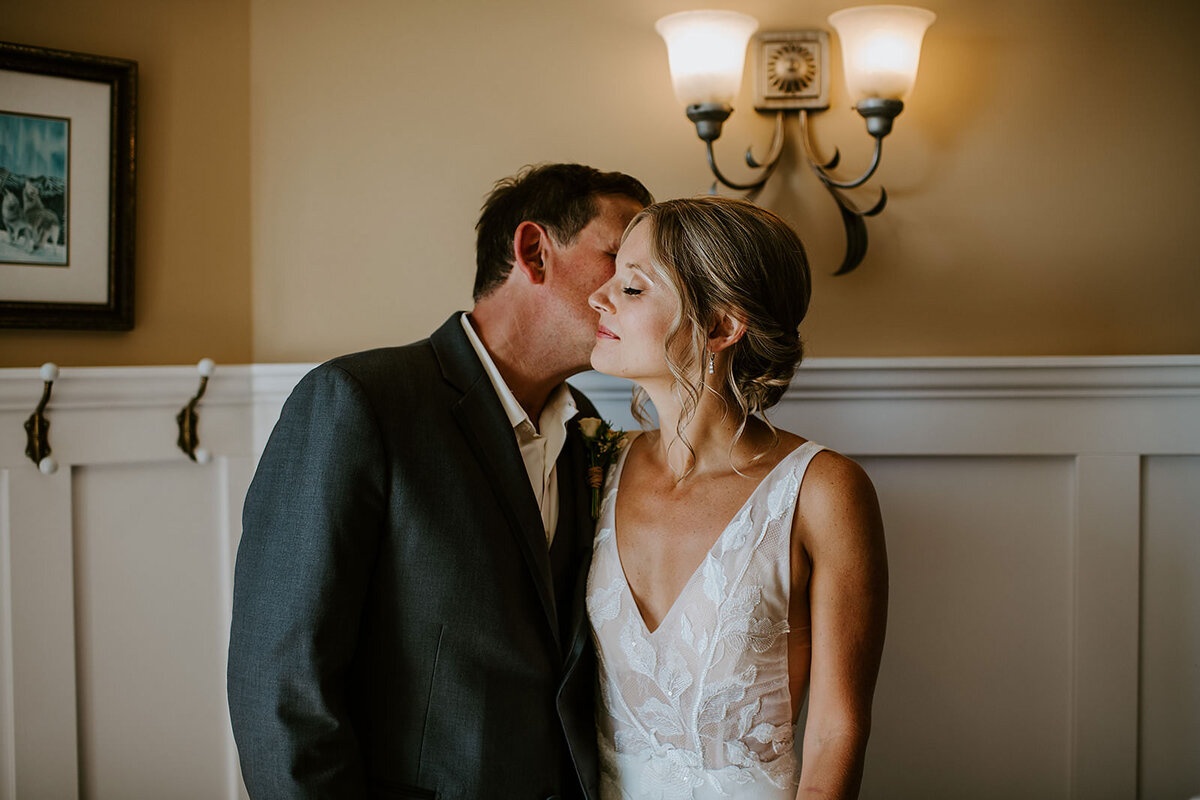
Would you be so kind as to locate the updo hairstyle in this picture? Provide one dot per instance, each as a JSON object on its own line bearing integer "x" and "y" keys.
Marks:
{"x": 723, "y": 255}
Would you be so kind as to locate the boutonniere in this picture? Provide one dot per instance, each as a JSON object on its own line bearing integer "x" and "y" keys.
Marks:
{"x": 603, "y": 443}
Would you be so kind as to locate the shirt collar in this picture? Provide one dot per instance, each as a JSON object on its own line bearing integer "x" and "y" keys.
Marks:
{"x": 560, "y": 406}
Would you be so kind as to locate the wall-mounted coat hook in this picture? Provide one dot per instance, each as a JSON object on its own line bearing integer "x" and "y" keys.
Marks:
{"x": 37, "y": 427}
{"x": 189, "y": 436}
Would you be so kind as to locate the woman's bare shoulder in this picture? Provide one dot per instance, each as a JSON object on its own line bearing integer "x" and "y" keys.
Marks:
{"x": 837, "y": 498}
{"x": 832, "y": 472}
{"x": 828, "y": 470}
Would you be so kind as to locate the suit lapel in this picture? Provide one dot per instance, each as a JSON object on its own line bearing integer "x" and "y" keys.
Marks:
{"x": 575, "y": 499}
{"x": 490, "y": 435}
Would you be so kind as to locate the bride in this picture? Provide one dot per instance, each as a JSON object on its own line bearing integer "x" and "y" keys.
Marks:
{"x": 737, "y": 567}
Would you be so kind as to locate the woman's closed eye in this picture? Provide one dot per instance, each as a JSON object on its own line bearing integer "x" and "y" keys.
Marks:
{"x": 632, "y": 292}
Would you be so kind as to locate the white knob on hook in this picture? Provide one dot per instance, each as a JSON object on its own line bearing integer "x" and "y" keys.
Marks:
{"x": 49, "y": 371}
{"x": 203, "y": 456}
{"x": 48, "y": 466}
{"x": 206, "y": 367}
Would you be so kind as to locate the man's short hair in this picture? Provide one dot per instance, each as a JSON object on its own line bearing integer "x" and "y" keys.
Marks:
{"x": 559, "y": 197}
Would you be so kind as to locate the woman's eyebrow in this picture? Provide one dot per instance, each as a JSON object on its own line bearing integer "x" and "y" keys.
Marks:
{"x": 639, "y": 269}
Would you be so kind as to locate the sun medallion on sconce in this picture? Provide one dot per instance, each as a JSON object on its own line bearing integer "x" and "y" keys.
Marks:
{"x": 791, "y": 68}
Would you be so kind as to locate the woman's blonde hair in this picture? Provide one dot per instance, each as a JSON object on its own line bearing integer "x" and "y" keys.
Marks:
{"x": 726, "y": 256}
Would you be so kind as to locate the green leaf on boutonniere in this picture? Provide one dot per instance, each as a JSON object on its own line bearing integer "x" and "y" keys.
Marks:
{"x": 603, "y": 443}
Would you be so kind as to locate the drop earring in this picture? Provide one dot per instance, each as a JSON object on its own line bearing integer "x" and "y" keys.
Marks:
{"x": 712, "y": 358}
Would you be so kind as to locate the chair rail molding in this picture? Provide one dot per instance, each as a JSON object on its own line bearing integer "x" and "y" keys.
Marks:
{"x": 855, "y": 379}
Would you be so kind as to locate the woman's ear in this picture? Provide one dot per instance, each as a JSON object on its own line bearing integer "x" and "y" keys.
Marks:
{"x": 529, "y": 251}
{"x": 724, "y": 331}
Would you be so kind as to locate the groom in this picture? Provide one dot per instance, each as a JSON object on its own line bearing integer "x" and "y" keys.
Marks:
{"x": 408, "y": 614}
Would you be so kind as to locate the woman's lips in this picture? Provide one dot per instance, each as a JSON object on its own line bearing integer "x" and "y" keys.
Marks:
{"x": 604, "y": 333}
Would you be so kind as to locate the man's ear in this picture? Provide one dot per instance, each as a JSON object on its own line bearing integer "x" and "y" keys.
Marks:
{"x": 530, "y": 242}
{"x": 725, "y": 330}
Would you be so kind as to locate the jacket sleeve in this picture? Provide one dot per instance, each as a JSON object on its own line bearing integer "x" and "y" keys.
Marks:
{"x": 310, "y": 530}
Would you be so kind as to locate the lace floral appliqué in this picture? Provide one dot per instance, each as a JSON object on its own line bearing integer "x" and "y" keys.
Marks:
{"x": 699, "y": 708}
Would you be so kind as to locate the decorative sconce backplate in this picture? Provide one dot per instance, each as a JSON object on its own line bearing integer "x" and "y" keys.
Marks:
{"x": 791, "y": 70}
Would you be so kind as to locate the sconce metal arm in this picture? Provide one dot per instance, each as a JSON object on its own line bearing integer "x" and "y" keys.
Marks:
{"x": 878, "y": 113}
{"x": 856, "y": 229}
{"x": 775, "y": 150}
{"x": 767, "y": 166}
{"x": 822, "y": 168}
{"x": 852, "y": 217}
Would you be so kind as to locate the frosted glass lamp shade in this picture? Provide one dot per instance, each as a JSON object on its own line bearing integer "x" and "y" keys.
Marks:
{"x": 881, "y": 46}
{"x": 707, "y": 52}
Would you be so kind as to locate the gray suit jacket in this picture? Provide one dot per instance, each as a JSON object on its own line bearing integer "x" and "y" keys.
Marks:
{"x": 399, "y": 628}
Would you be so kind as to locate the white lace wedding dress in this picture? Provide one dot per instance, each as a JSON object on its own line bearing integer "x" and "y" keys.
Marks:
{"x": 699, "y": 709}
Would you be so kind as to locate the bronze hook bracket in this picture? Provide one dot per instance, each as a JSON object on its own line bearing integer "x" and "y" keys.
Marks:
{"x": 37, "y": 427}
{"x": 188, "y": 420}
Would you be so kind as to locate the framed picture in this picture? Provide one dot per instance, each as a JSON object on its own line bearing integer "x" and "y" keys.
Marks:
{"x": 67, "y": 160}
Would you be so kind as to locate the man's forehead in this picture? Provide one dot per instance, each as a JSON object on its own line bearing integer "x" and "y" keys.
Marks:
{"x": 613, "y": 216}
{"x": 618, "y": 203}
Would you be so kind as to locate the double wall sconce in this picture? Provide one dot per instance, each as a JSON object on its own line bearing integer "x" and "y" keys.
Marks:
{"x": 881, "y": 46}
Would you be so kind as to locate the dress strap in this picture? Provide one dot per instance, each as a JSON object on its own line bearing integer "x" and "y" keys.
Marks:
{"x": 804, "y": 455}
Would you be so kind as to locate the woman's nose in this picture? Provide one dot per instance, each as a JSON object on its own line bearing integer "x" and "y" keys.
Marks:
{"x": 599, "y": 300}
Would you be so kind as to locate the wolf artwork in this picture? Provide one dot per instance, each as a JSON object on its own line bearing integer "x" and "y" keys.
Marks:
{"x": 34, "y": 189}
{"x": 33, "y": 230}
{"x": 41, "y": 222}
{"x": 13, "y": 215}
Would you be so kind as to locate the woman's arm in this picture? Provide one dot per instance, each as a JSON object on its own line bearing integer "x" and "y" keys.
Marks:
{"x": 839, "y": 529}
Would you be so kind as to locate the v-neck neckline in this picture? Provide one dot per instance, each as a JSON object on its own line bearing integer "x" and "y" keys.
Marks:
{"x": 704, "y": 559}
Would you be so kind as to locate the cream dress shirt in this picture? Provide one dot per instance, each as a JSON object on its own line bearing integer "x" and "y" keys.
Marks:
{"x": 540, "y": 445}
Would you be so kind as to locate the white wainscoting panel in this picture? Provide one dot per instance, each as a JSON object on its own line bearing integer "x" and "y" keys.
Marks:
{"x": 975, "y": 675}
{"x": 150, "y": 600}
{"x": 8, "y": 788}
{"x": 1043, "y": 520}
{"x": 1169, "y": 736}
{"x": 40, "y": 605}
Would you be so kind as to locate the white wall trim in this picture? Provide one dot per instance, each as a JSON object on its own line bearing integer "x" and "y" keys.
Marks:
{"x": 818, "y": 378}
{"x": 1060, "y": 377}
{"x": 122, "y": 387}
{"x": 1082, "y": 404}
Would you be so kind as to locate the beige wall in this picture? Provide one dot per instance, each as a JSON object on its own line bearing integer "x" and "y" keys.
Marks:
{"x": 1041, "y": 179}
{"x": 192, "y": 285}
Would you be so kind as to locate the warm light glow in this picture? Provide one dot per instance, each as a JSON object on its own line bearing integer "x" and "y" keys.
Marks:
{"x": 881, "y": 46}
{"x": 707, "y": 51}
